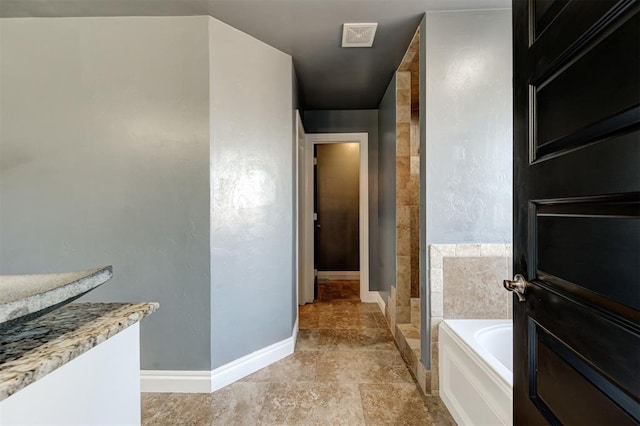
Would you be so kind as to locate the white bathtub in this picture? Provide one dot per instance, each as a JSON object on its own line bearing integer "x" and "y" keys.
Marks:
{"x": 475, "y": 370}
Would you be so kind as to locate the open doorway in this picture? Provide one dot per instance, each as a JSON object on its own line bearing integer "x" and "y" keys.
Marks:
{"x": 336, "y": 220}
{"x": 341, "y": 270}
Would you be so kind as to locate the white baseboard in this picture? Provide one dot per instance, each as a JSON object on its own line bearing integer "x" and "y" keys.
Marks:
{"x": 242, "y": 367}
{"x": 175, "y": 381}
{"x": 380, "y": 302}
{"x": 210, "y": 381}
{"x": 374, "y": 297}
{"x": 339, "y": 275}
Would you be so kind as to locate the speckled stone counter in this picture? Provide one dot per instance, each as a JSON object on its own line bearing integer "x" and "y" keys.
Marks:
{"x": 34, "y": 349}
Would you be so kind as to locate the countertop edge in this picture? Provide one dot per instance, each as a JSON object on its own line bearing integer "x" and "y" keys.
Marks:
{"x": 38, "y": 362}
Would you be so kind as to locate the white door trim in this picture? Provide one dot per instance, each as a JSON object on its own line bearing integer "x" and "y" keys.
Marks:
{"x": 363, "y": 140}
{"x": 303, "y": 294}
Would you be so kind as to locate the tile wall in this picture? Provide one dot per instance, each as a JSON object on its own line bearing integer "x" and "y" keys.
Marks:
{"x": 466, "y": 282}
{"x": 403, "y": 197}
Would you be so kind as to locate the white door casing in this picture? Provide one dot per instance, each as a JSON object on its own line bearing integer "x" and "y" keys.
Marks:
{"x": 307, "y": 221}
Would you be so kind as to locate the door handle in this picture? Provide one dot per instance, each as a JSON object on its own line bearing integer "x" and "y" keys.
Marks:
{"x": 518, "y": 286}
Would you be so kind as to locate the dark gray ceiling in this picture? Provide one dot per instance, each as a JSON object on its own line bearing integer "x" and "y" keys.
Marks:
{"x": 329, "y": 76}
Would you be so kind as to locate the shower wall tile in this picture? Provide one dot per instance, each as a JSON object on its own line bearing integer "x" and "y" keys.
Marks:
{"x": 403, "y": 315}
{"x": 436, "y": 278}
{"x": 403, "y": 81}
{"x": 491, "y": 250}
{"x": 467, "y": 250}
{"x": 415, "y": 312}
{"x": 436, "y": 304}
{"x": 403, "y": 139}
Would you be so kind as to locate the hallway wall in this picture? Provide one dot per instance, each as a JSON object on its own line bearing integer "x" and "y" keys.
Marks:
{"x": 251, "y": 194}
{"x": 104, "y": 149}
{"x": 353, "y": 121}
{"x": 387, "y": 188}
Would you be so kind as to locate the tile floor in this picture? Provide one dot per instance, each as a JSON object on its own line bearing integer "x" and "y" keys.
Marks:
{"x": 346, "y": 370}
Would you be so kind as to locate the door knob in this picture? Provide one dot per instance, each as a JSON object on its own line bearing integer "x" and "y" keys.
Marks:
{"x": 518, "y": 286}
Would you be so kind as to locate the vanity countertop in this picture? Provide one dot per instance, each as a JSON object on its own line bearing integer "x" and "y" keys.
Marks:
{"x": 34, "y": 349}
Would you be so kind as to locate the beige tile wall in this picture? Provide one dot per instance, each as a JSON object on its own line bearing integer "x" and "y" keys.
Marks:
{"x": 403, "y": 197}
{"x": 414, "y": 202}
{"x": 466, "y": 282}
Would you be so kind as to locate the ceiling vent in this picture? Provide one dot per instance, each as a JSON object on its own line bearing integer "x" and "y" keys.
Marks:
{"x": 358, "y": 35}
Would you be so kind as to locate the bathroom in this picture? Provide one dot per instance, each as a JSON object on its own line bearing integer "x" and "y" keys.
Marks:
{"x": 185, "y": 198}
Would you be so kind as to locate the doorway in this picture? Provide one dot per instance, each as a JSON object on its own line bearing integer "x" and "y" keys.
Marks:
{"x": 308, "y": 227}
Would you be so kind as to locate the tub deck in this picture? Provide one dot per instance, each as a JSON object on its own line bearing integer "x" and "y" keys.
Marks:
{"x": 475, "y": 385}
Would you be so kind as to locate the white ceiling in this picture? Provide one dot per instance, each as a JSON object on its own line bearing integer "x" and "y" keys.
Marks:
{"x": 330, "y": 77}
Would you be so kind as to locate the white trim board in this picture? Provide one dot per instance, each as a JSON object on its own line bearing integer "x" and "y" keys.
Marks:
{"x": 375, "y": 295}
{"x": 322, "y": 138}
{"x": 168, "y": 381}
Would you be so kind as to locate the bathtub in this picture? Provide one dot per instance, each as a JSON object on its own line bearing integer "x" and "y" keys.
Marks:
{"x": 475, "y": 370}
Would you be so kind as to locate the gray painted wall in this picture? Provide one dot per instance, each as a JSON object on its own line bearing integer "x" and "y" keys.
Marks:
{"x": 104, "y": 149}
{"x": 467, "y": 135}
{"x": 296, "y": 104}
{"x": 387, "y": 188}
{"x": 251, "y": 194}
{"x": 468, "y": 149}
{"x": 353, "y": 121}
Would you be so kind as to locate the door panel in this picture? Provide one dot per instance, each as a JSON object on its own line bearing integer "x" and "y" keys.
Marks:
{"x": 577, "y": 211}
{"x": 554, "y": 364}
{"x": 596, "y": 95}
{"x": 338, "y": 194}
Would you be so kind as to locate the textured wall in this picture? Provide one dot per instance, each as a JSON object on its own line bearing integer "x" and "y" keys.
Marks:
{"x": 387, "y": 187}
{"x": 296, "y": 104}
{"x": 251, "y": 193}
{"x": 104, "y": 160}
{"x": 466, "y": 133}
{"x": 468, "y": 115}
{"x": 353, "y": 121}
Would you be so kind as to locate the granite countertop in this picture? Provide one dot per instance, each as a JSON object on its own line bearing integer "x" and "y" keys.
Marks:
{"x": 34, "y": 349}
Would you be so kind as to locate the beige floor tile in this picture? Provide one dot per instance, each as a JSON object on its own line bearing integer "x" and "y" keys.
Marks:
{"x": 151, "y": 404}
{"x": 183, "y": 409}
{"x": 299, "y": 367}
{"x": 366, "y": 339}
{"x": 238, "y": 404}
{"x": 396, "y": 404}
{"x": 348, "y": 320}
{"x": 439, "y": 413}
{"x": 348, "y": 373}
{"x": 362, "y": 367}
{"x": 308, "y": 319}
{"x": 312, "y": 404}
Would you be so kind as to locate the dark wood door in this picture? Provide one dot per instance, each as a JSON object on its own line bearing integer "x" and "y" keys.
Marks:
{"x": 337, "y": 196}
{"x": 577, "y": 211}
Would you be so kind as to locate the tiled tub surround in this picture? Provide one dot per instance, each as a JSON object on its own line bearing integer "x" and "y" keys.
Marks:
{"x": 32, "y": 350}
{"x": 466, "y": 282}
